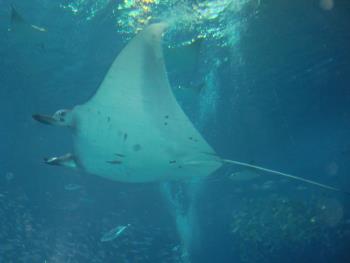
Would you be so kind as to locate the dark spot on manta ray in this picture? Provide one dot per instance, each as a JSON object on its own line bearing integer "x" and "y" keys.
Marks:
{"x": 172, "y": 161}
{"x": 136, "y": 147}
{"x": 165, "y": 123}
{"x": 125, "y": 136}
{"x": 192, "y": 139}
{"x": 179, "y": 167}
{"x": 108, "y": 119}
{"x": 166, "y": 116}
{"x": 114, "y": 162}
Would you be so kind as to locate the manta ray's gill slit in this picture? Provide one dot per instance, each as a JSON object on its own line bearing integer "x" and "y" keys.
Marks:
{"x": 117, "y": 161}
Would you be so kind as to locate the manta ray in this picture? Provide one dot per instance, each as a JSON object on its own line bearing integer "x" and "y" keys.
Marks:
{"x": 18, "y": 23}
{"x": 133, "y": 129}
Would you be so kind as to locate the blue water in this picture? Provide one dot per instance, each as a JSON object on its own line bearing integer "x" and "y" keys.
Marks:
{"x": 276, "y": 93}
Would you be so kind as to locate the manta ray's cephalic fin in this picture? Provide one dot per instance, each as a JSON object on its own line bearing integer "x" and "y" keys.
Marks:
{"x": 259, "y": 168}
{"x": 61, "y": 118}
{"x": 67, "y": 160}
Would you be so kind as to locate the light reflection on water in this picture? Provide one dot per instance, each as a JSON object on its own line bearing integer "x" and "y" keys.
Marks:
{"x": 212, "y": 19}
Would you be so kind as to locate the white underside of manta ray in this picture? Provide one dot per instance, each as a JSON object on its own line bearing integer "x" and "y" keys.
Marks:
{"x": 133, "y": 129}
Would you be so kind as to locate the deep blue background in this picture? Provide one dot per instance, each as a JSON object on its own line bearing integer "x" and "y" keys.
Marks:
{"x": 284, "y": 103}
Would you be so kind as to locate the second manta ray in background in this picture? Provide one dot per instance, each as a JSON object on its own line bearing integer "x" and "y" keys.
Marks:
{"x": 133, "y": 129}
{"x": 18, "y": 23}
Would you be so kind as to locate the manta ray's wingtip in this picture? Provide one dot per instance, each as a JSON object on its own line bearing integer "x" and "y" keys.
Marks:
{"x": 15, "y": 16}
{"x": 158, "y": 28}
{"x": 162, "y": 25}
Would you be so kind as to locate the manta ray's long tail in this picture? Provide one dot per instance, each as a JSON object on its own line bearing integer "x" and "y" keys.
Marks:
{"x": 259, "y": 168}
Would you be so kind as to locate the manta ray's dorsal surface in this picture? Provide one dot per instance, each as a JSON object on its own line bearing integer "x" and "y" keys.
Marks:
{"x": 133, "y": 129}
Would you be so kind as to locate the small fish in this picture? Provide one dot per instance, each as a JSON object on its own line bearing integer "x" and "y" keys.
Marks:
{"x": 301, "y": 188}
{"x": 9, "y": 176}
{"x": 17, "y": 21}
{"x": 41, "y": 29}
{"x": 115, "y": 162}
{"x": 72, "y": 187}
{"x": 244, "y": 175}
{"x": 267, "y": 185}
{"x": 175, "y": 248}
{"x": 194, "y": 87}
{"x": 114, "y": 233}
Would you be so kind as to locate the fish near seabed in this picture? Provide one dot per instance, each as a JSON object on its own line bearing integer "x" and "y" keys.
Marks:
{"x": 133, "y": 129}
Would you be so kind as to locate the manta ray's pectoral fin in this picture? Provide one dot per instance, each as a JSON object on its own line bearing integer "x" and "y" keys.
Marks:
{"x": 67, "y": 160}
